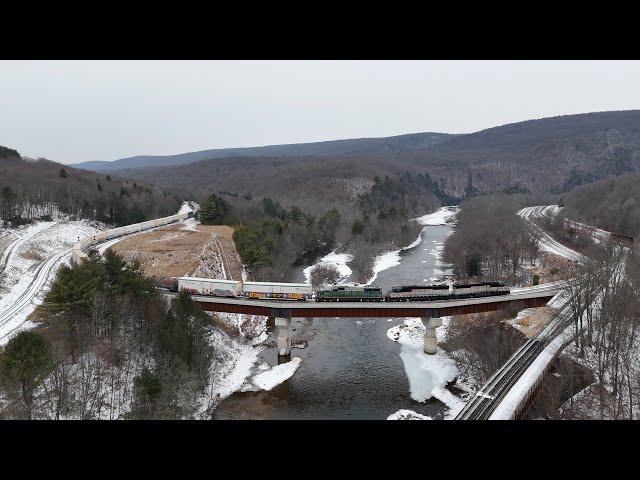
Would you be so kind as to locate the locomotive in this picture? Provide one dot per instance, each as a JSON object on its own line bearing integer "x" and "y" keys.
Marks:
{"x": 412, "y": 293}
{"x": 337, "y": 293}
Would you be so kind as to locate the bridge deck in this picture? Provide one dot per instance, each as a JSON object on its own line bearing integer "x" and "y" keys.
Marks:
{"x": 521, "y": 299}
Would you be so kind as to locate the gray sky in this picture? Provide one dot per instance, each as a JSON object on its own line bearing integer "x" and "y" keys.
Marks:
{"x": 72, "y": 111}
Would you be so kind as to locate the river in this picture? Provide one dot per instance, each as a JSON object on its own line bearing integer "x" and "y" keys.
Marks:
{"x": 350, "y": 369}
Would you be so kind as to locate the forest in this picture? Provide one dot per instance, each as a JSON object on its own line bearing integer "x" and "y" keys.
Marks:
{"x": 41, "y": 189}
{"x": 272, "y": 239}
{"x": 604, "y": 300}
{"x": 107, "y": 346}
{"x": 610, "y": 204}
{"x": 490, "y": 240}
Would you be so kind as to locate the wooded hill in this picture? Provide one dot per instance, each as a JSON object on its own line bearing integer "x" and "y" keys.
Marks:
{"x": 31, "y": 189}
{"x": 545, "y": 156}
{"x": 359, "y": 146}
{"x": 612, "y": 204}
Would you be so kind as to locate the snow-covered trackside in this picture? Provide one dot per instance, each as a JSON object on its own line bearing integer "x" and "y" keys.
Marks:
{"x": 516, "y": 396}
{"x": 30, "y": 268}
{"x": 547, "y": 242}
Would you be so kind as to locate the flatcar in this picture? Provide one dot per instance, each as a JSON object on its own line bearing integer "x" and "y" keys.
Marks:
{"x": 277, "y": 291}
{"x": 341, "y": 293}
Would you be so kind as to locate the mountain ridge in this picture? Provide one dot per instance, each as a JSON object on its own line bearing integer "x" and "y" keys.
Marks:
{"x": 353, "y": 146}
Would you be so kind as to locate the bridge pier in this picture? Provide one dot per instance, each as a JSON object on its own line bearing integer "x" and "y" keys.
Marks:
{"x": 284, "y": 337}
{"x": 430, "y": 339}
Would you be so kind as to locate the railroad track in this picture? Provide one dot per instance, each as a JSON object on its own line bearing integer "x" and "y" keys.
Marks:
{"x": 39, "y": 281}
{"x": 485, "y": 401}
{"x": 8, "y": 252}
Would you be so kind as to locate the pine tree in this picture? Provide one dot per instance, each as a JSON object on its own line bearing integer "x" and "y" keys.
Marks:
{"x": 214, "y": 211}
{"x": 25, "y": 362}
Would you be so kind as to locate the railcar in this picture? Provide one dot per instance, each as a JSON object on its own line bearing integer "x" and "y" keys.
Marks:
{"x": 167, "y": 283}
{"x": 479, "y": 289}
{"x": 419, "y": 293}
{"x": 210, "y": 286}
{"x": 341, "y": 293}
{"x": 277, "y": 291}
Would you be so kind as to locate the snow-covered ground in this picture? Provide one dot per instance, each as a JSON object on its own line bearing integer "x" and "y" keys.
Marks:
{"x": 442, "y": 216}
{"x": 337, "y": 260}
{"x": 384, "y": 262}
{"x": 236, "y": 367}
{"x": 548, "y": 243}
{"x": 31, "y": 266}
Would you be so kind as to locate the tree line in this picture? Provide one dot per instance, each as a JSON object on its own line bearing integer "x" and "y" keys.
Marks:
{"x": 31, "y": 190}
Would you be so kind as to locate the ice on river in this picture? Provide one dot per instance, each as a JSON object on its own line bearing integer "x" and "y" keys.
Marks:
{"x": 277, "y": 375}
{"x": 404, "y": 414}
{"x": 428, "y": 375}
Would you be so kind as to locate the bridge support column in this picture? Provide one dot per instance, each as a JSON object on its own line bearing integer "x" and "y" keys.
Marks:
{"x": 430, "y": 339}
{"x": 284, "y": 336}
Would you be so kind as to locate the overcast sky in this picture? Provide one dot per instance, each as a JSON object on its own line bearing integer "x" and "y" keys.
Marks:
{"x": 73, "y": 111}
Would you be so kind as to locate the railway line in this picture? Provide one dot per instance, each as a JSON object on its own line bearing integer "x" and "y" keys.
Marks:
{"x": 493, "y": 392}
{"x": 547, "y": 242}
{"x": 487, "y": 399}
{"x": 43, "y": 272}
{"x": 11, "y": 248}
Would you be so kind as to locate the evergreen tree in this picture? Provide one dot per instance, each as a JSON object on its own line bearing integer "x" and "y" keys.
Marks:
{"x": 23, "y": 365}
{"x": 214, "y": 211}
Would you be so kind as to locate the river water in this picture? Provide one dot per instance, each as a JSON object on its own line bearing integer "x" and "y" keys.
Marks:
{"x": 350, "y": 368}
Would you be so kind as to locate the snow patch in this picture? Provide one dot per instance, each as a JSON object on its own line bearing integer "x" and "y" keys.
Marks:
{"x": 337, "y": 260}
{"x": 404, "y": 414}
{"x": 442, "y": 216}
{"x": 384, "y": 262}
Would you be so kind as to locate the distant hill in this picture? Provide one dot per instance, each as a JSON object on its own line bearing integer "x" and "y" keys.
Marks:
{"x": 360, "y": 146}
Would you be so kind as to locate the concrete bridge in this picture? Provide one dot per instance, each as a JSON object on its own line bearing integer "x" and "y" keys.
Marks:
{"x": 281, "y": 312}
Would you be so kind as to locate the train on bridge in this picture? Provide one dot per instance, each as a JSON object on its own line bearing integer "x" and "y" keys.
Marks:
{"x": 337, "y": 293}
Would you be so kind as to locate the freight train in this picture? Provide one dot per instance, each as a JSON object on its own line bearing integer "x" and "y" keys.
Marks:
{"x": 78, "y": 254}
{"x": 338, "y": 293}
